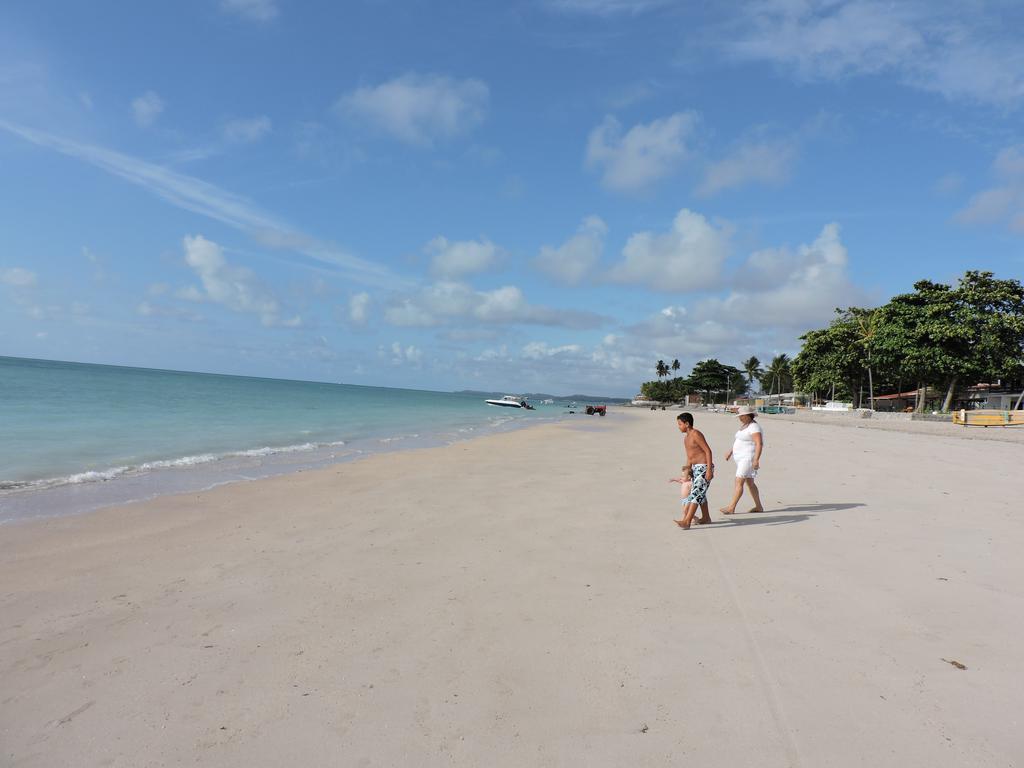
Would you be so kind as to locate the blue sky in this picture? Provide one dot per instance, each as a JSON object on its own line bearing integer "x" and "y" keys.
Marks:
{"x": 536, "y": 195}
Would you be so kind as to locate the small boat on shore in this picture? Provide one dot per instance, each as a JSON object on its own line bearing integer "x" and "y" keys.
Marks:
{"x": 509, "y": 401}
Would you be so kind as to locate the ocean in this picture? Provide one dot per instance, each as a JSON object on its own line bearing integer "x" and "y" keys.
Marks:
{"x": 76, "y": 437}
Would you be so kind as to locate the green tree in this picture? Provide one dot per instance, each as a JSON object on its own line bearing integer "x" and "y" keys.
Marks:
{"x": 714, "y": 378}
{"x": 670, "y": 391}
{"x": 938, "y": 335}
{"x": 866, "y": 325}
{"x": 830, "y": 359}
{"x": 752, "y": 367}
{"x": 661, "y": 369}
{"x": 990, "y": 316}
{"x": 675, "y": 365}
{"x": 917, "y": 335}
{"x": 778, "y": 375}
{"x": 943, "y": 335}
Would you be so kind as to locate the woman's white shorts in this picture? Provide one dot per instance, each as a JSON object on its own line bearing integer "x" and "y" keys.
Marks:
{"x": 745, "y": 468}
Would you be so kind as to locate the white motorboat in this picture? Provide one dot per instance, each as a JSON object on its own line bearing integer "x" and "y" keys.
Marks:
{"x": 508, "y": 401}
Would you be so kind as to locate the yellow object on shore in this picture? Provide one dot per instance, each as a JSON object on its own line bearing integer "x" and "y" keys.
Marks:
{"x": 988, "y": 418}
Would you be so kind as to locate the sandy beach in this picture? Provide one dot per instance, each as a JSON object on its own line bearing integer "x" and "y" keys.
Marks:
{"x": 525, "y": 600}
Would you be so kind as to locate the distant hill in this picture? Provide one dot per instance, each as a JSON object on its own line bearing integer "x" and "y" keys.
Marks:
{"x": 544, "y": 396}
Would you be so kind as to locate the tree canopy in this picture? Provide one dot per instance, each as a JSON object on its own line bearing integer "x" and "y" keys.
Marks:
{"x": 936, "y": 336}
{"x": 933, "y": 339}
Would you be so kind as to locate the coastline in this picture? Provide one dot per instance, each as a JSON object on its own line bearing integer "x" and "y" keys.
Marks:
{"x": 93, "y": 490}
{"x": 523, "y": 598}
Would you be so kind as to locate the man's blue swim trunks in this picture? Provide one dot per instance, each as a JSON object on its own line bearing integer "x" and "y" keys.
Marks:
{"x": 699, "y": 489}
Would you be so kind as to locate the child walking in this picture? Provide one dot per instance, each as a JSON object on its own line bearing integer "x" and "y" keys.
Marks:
{"x": 685, "y": 481}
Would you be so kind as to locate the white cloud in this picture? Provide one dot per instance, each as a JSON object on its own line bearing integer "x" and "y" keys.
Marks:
{"x": 18, "y": 277}
{"x": 407, "y": 355}
{"x": 206, "y": 199}
{"x": 420, "y": 109}
{"x": 611, "y": 366}
{"x": 779, "y": 288}
{"x": 1003, "y": 202}
{"x": 765, "y": 162}
{"x": 646, "y": 153}
{"x": 460, "y": 258}
{"x": 498, "y": 353}
{"x": 578, "y": 256}
{"x": 247, "y": 130}
{"x": 673, "y": 333}
{"x": 447, "y": 302}
{"x": 537, "y": 350}
{"x": 508, "y": 305}
{"x": 147, "y": 108}
{"x": 688, "y": 257}
{"x": 778, "y": 294}
{"x": 959, "y": 52}
{"x": 236, "y": 288}
{"x": 359, "y": 308}
{"x": 254, "y": 10}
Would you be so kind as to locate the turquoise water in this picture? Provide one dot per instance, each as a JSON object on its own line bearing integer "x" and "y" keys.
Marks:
{"x": 72, "y": 425}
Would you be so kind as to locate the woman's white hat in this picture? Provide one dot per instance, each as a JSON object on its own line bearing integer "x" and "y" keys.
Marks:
{"x": 746, "y": 410}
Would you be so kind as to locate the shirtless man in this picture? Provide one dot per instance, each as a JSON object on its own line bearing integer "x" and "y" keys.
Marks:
{"x": 698, "y": 456}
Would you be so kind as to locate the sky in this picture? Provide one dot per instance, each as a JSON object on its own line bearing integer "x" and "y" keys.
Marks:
{"x": 518, "y": 195}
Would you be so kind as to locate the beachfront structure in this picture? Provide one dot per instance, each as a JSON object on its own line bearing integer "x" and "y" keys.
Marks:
{"x": 998, "y": 396}
{"x": 896, "y": 402}
{"x": 779, "y": 398}
{"x": 999, "y": 401}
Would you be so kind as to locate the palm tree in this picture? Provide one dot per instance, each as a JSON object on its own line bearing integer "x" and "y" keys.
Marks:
{"x": 661, "y": 368}
{"x": 752, "y": 367}
{"x": 777, "y": 372}
{"x": 866, "y": 324}
{"x": 675, "y": 365}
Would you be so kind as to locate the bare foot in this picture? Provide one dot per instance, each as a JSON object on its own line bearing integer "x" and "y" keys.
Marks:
{"x": 703, "y": 521}
{"x": 682, "y": 523}
{"x": 727, "y": 511}
{"x": 757, "y": 509}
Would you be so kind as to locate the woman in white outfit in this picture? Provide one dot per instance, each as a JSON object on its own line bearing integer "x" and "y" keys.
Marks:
{"x": 746, "y": 450}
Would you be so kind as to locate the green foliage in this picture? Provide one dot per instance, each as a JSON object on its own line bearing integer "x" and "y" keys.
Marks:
{"x": 992, "y": 311}
{"x": 778, "y": 376}
{"x": 710, "y": 377}
{"x": 938, "y": 335}
{"x": 752, "y": 367}
{"x": 669, "y": 391}
{"x": 917, "y": 334}
{"x": 717, "y": 381}
{"x": 835, "y": 356}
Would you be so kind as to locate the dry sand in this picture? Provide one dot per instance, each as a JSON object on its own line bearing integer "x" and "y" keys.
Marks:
{"x": 525, "y": 600}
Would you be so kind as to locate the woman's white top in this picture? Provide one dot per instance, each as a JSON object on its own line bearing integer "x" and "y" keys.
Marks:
{"x": 743, "y": 446}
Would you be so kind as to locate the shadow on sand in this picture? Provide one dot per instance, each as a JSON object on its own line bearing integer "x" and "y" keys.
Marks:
{"x": 762, "y": 518}
{"x": 833, "y": 507}
{"x": 771, "y": 516}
